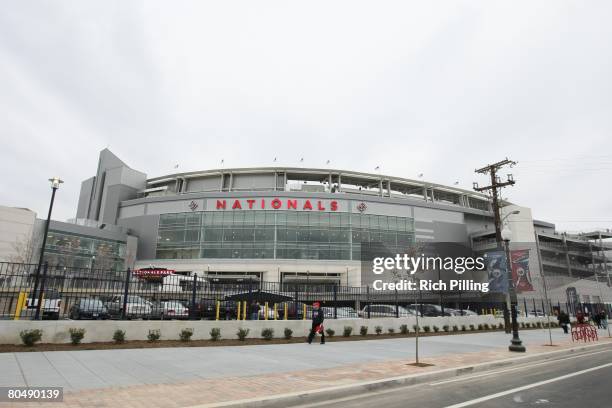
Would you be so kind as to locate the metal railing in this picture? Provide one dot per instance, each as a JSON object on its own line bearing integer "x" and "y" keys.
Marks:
{"x": 82, "y": 293}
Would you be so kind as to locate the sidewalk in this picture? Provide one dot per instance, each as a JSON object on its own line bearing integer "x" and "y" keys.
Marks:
{"x": 192, "y": 376}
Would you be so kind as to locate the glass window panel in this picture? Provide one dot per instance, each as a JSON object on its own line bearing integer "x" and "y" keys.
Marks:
{"x": 264, "y": 234}
{"x": 238, "y": 217}
{"x": 249, "y": 217}
{"x": 213, "y": 234}
{"x": 228, "y": 218}
{"x": 260, "y": 217}
{"x": 292, "y": 218}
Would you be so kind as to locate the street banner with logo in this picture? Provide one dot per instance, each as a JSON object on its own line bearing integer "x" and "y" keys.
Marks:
{"x": 497, "y": 270}
{"x": 520, "y": 270}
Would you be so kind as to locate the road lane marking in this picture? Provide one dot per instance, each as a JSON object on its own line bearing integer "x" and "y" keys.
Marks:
{"x": 467, "y": 378}
{"x": 526, "y": 387}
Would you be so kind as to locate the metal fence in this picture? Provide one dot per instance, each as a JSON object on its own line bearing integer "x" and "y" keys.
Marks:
{"x": 57, "y": 292}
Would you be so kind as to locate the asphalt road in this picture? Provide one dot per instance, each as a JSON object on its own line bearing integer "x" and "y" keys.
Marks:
{"x": 571, "y": 381}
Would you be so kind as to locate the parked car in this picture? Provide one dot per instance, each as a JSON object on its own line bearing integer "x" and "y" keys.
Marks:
{"x": 169, "y": 309}
{"x": 207, "y": 309}
{"x": 384, "y": 311}
{"x": 135, "y": 307}
{"x": 88, "y": 308}
{"x": 466, "y": 312}
{"x": 536, "y": 313}
{"x": 51, "y": 304}
{"x": 428, "y": 310}
{"x": 341, "y": 313}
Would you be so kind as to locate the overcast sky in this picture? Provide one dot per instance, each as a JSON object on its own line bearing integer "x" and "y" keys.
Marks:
{"x": 413, "y": 87}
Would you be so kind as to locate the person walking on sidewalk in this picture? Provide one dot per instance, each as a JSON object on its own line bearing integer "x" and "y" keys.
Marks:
{"x": 564, "y": 321}
{"x": 254, "y": 310}
{"x": 317, "y": 323}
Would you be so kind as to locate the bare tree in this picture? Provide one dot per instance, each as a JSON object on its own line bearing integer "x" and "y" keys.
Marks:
{"x": 24, "y": 249}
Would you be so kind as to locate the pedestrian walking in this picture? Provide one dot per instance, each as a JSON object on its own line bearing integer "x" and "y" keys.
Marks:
{"x": 564, "y": 321}
{"x": 317, "y": 323}
{"x": 254, "y": 310}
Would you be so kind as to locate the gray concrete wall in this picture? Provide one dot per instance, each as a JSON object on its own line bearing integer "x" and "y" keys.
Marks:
{"x": 102, "y": 331}
{"x": 145, "y": 228}
{"x": 85, "y": 198}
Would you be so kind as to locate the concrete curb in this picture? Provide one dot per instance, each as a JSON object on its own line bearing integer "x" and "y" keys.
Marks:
{"x": 330, "y": 393}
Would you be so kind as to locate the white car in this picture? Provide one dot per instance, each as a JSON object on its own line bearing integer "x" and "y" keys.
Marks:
{"x": 135, "y": 306}
{"x": 171, "y": 309}
{"x": 384, "y": 311}
{"x": 341, "y": 313}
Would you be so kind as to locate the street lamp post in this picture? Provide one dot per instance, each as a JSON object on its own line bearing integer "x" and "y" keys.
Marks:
{"x": 55, "y": 183}
{"x": 507, "y": 320}
{"x": 517, "y": 344}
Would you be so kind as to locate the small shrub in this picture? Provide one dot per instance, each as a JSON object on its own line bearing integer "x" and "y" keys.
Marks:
{"x": 288, "y": 333}
{"x": 404, "y": 329}
{"x": 522, "y": 325}
{"x": 472, "y": 327}
{"x": 242, "y": 334}
{"x": 426, "y": 329}
{"x": 436, "y": 329}
{"x": 463, "y": 328}
{"x": 391, "y": 330}
{"x": 528, "y": 325}
{"x": 446, "y": 328}
{"x": 455, "y": 328}
{"x": 486, "y": 326}
{"x": 185, "y": 334}
{"x": 153, "y": 335}
{"x": 348, "y": 330}
{"x": 500, "y": 326}
{"x": 480, "y": 327}
{"x": 267, "y": 333}
{"x": 416, "y": 328}
{"x": 539, "y": 325}
{"x": 76, "y": 335}
{"x": 119, "y": 336}
{"x": 330, "y": 332}
{"x": 378, "y": 330}
{"x": 215, "y": 333}
{"x": 31, "y": 337}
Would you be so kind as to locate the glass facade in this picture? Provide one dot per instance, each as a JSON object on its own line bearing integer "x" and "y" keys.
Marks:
{"x": 277, "y": 234}
{"x": 79, "y": 251}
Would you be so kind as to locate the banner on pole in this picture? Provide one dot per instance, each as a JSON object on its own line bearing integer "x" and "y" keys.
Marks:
{"x": 521, "y": 275}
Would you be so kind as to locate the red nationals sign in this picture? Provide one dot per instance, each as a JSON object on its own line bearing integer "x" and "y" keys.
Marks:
{"x": 277, "y": 204}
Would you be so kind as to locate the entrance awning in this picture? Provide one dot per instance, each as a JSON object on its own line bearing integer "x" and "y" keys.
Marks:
{"x": 260, "y": 296}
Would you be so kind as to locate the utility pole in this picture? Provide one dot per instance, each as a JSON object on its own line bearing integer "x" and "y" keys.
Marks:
{"x": 494, "y": 187}
{"x": 496, "y": 184}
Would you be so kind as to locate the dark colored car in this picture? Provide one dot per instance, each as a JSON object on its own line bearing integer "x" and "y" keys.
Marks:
{"x": 207, "y": 309}
{"x": 87, "y": 308}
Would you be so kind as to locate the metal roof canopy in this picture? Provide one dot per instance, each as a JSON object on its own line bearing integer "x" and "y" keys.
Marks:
{"x": 260, "y": 296}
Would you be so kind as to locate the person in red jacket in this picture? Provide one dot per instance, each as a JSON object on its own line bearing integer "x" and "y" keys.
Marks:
{"x": 317, "y": 323}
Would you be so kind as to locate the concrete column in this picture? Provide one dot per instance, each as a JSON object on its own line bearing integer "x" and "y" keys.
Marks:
{"x": 339, "y": 182}
{"x": 231, "y": 182}
{"x": 424, "y": 193}
{"x": 567, "y": 258}
{"x": 380, "y": 187}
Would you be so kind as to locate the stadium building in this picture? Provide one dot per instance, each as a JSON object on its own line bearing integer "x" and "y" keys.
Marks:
{"x": 307, "y": 225}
